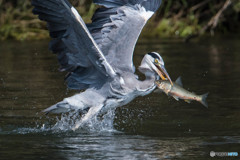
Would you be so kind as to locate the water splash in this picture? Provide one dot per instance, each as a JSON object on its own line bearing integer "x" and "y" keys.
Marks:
{"x": 95, "y": 124}
{"x": 65, "y": 123}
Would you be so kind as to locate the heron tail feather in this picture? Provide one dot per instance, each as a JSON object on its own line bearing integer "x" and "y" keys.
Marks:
{"x": 61, "y": 107}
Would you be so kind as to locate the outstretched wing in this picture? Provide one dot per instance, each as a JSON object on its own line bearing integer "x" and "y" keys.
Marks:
{"x": 76, "y": 49}
{"x": 117, "y": 26}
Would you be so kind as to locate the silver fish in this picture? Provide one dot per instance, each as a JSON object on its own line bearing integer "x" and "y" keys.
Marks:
{"x": 178, "y": 92}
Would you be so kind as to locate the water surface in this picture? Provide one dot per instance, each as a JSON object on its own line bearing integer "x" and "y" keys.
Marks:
{"x": 151, "y": 127}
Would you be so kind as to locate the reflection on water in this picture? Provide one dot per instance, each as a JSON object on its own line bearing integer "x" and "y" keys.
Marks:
{"x": 151, "y": 127}
{"x": 215, "y": 60}
{"x": 97, "y": 146}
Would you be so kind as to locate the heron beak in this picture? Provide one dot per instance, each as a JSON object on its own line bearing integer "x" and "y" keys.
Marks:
{"x": 162, "y": 72}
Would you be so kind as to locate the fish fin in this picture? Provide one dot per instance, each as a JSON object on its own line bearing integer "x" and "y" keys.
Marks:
{"x": 187, "y": 100}
{"x": 158, "y": 91}
{"x": 175, "y": 97}
{"x": 204, "y": 100}
{"x": 179, "y": 81}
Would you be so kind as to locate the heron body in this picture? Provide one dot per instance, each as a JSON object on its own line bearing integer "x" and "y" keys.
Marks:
{"x": 99, "y": 56}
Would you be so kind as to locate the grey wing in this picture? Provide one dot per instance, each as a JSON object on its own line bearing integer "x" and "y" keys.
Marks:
{"x": 76, "y": 49}
{"x": 117, "y": 26}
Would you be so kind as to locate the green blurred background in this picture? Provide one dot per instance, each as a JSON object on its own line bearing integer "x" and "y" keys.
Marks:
{"x": 175, "y": 18}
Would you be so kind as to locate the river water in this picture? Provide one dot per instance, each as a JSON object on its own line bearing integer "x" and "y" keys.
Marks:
{"x": 151, "y": 127}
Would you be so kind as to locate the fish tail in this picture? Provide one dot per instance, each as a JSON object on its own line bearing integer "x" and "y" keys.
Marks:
{"x": 204, "y": 99}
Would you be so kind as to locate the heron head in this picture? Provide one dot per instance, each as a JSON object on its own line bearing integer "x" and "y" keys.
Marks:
{"x": 153, "y": 63}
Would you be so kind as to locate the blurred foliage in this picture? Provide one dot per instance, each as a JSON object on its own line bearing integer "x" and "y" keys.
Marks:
{"x": 18, "y": 22}
{"x": 183, "y": 18}
{"x": 179, "y": 18}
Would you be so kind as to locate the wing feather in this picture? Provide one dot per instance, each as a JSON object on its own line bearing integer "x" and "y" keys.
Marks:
{"x": 116, "y": 29}
{"x": 72, "y": 42}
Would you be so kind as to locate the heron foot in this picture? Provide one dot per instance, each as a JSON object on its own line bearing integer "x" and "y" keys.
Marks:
{"x": 93, "y": 111}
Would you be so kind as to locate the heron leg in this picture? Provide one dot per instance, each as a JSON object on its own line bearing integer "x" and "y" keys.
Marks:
{"x": 90, "y": 114}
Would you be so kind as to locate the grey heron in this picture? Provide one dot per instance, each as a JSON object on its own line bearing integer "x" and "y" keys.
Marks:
{"x": 99, "y": 56}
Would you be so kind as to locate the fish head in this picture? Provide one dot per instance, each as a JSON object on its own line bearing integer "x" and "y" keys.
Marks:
{"x": 165, "y": 86}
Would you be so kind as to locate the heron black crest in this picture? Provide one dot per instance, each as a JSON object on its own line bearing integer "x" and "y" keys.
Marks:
{"x": 154, "y": 55}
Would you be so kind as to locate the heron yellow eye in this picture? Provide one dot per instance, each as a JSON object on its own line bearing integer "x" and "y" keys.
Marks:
{"x": 156, "y": 61}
